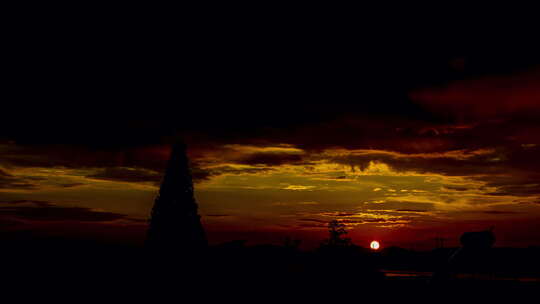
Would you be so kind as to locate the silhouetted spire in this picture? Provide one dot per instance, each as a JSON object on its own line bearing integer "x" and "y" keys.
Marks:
{"x": 174, "y": 222}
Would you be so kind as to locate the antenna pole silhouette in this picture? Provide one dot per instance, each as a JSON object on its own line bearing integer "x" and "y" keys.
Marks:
{"x": 175, "y": 224}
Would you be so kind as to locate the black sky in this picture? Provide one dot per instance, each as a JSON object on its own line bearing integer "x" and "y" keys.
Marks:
{"x": 222, "y": 75}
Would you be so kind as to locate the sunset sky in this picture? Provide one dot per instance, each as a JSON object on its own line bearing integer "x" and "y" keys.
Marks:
{"x": 405, "y": 137}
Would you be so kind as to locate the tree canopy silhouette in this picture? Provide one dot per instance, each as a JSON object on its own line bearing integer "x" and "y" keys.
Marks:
{"x": 337, "y": 232}
{"x": 174, "y": 222}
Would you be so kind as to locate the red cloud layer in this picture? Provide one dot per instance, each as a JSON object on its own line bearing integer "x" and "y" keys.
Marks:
{"x": 486, "y": 97}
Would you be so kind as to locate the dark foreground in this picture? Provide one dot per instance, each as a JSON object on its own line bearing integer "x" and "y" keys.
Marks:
{"x": 79, "y": 272}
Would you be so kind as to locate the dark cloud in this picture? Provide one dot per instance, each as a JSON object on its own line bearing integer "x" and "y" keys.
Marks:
{"x": 35, "y": 202}
{"x": 410, "y": 210}
{"x": 367, "y": 220}
{"x": 500, "y": 212}
{"x": 81, "y": 156}
{"x": 50, "y": 213}
{"x": 200, "y": 174}
{"x": 512, "y": 170}
{"x": 521, "y": 183}
{"x": 9, "y": 181}
{"x": 126, "y": 174}
{"x": 339, "y": 214}
{"x": 271, "y": 159}
{"x": 353, "y": 220}
{"x": 461, "y": 163}
{"x": 491, "y": 96}
{"x": 71, "y": 185}
{"x": 400, "y": 134}
{"x": 400, "y": 206}
{"x": 455, "y": 188}
{"x": 493, "y": 212}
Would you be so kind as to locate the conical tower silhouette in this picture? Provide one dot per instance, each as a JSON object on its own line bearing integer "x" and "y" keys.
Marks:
{"x": 175, "y": 225}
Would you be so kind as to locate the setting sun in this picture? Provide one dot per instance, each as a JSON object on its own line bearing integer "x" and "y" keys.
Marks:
{"x": 374, "y": 245}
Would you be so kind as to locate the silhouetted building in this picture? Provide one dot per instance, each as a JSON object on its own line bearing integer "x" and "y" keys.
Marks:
{"x": 175, "y": 225}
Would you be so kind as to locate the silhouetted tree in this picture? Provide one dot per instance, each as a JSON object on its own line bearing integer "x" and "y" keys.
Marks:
{"x": 474, "y": 254}
{"x": 337, "y": 231}
{"x": 175, "y": 225}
